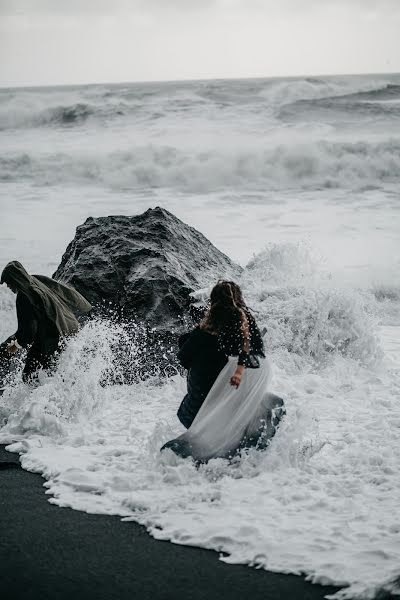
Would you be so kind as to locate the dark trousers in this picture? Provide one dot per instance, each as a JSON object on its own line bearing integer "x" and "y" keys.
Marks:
{"x": 38, "y": 359}
{"x": 4, "y": 361}
{"x": 188, "y": 410}
{"x": 199, "y": 382}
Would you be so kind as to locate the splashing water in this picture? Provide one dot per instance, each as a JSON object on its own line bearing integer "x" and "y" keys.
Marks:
{"x": 321, "y": 500}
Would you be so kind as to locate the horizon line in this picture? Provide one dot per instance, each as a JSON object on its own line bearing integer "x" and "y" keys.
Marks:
{"x": 196, "y": 79}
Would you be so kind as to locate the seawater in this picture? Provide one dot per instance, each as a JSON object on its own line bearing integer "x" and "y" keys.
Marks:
{"x": 298, "y": 181}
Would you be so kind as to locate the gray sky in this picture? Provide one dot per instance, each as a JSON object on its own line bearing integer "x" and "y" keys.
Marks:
{"x": 83, "y": 41}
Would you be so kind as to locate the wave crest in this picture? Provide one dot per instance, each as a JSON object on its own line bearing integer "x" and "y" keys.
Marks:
{"x": 38, "y": 107}
{"x": 316, "y": 165}
{"x": 306, "y": 315}
{"x": 73, "y": 114}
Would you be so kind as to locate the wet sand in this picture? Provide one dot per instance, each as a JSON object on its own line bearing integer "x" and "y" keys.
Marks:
{"x": 48, "y": 553}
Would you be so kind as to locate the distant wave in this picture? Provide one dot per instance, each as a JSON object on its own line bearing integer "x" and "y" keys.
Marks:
{"x": 315, "y": 165}
{"x": 35, "y": 108}
{"x": 380, "y": 102}
{"x": 279, "y": 92}
{"x": 387, "y": 292}
{"x": 316, "y": 110}
{"x": 56, "y": 115}
{"x": 387, "y": 92}
{"x": 69, "y": 114}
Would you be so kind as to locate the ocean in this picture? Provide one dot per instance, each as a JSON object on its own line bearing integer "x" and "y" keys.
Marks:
{"x": 296, "y": 179}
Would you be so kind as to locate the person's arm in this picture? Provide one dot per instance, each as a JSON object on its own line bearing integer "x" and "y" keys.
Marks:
{"x": 244, "y": 353}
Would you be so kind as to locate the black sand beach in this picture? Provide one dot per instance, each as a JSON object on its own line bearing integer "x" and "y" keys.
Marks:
{"x": 49, "y": 553}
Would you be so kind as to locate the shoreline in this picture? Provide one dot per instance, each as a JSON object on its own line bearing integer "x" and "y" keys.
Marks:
{"x": 50, "y": 552}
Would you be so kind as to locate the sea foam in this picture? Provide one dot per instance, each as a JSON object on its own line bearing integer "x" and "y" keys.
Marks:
{"x": 320, "y": 501}
{"x": 247, "y": 162}
{"x": 250, "y": 165}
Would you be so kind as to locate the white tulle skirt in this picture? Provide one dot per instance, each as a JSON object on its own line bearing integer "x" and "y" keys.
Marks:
{"x": 229, "y": 414}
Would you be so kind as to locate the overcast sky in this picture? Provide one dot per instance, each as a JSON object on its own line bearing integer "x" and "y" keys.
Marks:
{"x": 84, "y": 41}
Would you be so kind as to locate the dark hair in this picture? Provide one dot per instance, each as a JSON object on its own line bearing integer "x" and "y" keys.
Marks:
{"x": 226, "y": 307}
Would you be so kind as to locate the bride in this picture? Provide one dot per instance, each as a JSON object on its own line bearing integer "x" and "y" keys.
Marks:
{"x": 227, "y": 407}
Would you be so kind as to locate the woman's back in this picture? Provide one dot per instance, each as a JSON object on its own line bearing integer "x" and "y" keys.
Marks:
{"x": 242, "y": 337}
{"x": 201, "y": 355}
{"x": 237, "y": 410}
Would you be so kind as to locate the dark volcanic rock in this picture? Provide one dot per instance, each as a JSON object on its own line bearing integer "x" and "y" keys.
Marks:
{"x": 145, "y": 265}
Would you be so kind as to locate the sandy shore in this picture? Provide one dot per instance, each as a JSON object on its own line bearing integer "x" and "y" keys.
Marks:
{"x": 47, "y": 552}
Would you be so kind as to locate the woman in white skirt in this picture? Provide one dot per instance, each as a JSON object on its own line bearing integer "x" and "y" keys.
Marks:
{"x": 237, "y": 412}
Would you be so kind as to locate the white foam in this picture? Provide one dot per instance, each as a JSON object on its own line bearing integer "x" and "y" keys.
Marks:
{"x": 198, "y": 136}
{"x": 30, "y": 107}
{"x": 321, "y": 501}
{"x": 241, "y": 162}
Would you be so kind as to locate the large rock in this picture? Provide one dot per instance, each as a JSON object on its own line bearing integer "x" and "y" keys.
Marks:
{"x": 141, "y": 271}
{"x": 145, "y": 266}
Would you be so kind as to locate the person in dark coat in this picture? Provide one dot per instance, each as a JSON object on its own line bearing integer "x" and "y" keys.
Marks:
{"x": 228, "y": 329}
{"x": 200, "y": 354}
{"x": 45, "y": 313}
{"x": 228, "y": 408}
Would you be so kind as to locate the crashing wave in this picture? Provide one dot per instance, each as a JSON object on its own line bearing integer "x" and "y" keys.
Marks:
{"x": 389, "y": 91}
{"x": 334, "y": 456}
{"x": 306, "y": 316}
{"x": 45, "y": 107}
{"x": 73, "y": 114}
{"x": 313, "y": 165}
{"x": 389, "y": 292}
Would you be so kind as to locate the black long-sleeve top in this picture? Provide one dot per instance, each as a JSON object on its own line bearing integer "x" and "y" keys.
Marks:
{"x": 199, "y": 353}
{"x": 232, "y": 342}
{"x": 204, "y": 355}
{"x": 33, "y": 328}
{"x": 27, "y": 321}
{"x": 200, "y": 350}
{"x": 199, "y": 347}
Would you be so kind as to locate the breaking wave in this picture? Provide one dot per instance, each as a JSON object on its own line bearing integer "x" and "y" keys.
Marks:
{"x": 47, "y": 107}
{"x": 390, "y": 91}
{"x": 314, "y": 165}
{"x": 336, "y": 457}
{"x": 389, "y": 292}
{"x": 350, "y": 110}
{"x": 308, "y": 316}
{"x": 98, "y": 444}
{"x": 74, "y": 114}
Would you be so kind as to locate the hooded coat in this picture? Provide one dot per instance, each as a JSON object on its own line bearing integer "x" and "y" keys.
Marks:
{"x": 45, "y": 307}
